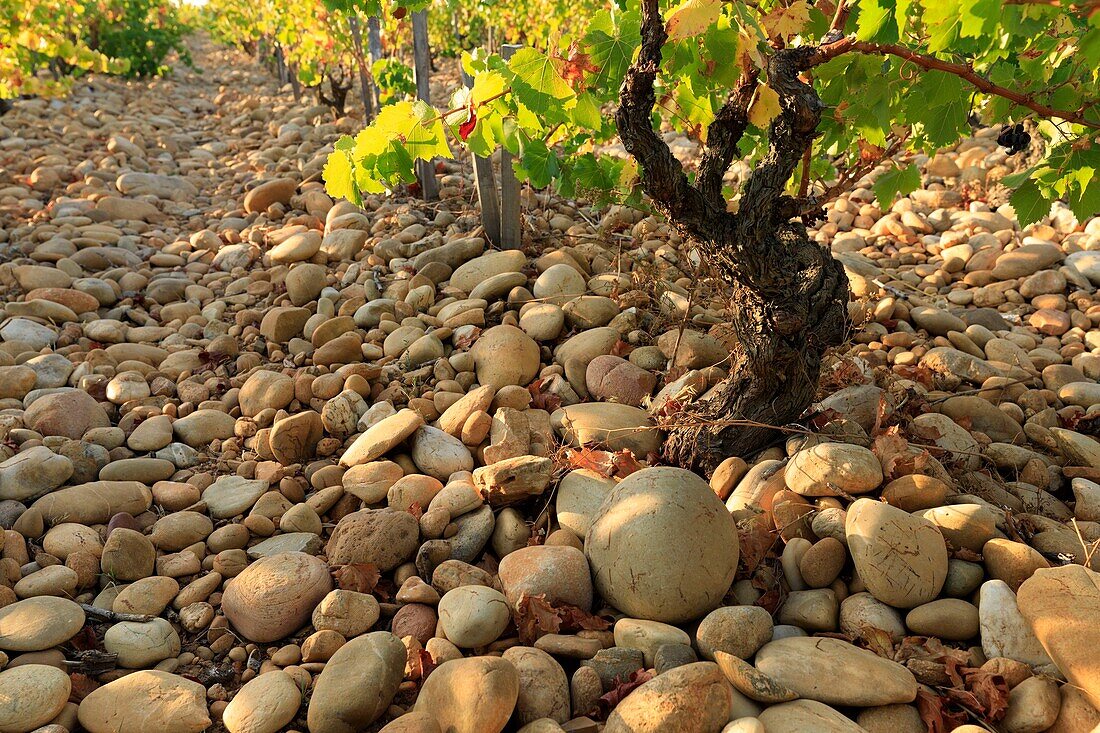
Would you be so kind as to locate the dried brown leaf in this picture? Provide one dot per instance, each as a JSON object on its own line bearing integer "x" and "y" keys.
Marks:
{"x": 536, "y": 616}
{"x": 361, "y": 577}
{"x": 616, "y": 694}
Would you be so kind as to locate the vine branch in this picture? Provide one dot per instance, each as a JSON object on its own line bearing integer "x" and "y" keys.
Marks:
{"x": 830, "y": 51}
{"x": 723, "y": 135}
{"x": 663, "y": 177}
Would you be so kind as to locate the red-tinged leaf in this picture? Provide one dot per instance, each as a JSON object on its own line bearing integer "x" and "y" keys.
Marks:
{"x": 920, "y": 373}
{"x": 574, "y": 67}
{"x": 929, "y": 649}
{"x": 467, "y": 127}
{"x": 593, "y": 459}
{"x": 361, "y": 577}
{"x": 625, "y": 463}
{"x": 892, "y": 451}
{"x": 399, "y": 13}
{"x": 467, "y": 340}
{"x": 421, "y": 665}
{"x": 755, "y": 540}
{"x": 967, "y": 554}
{"x": 823, "y": 418}
{"x": 84, "y": 640}
{"x": 991, "y": 691}
{"x": 542, "y": 400}
{"x": 536, "y": 616}
{"x": 771, "y": 599}
{"x": 82, "y": 686}
{"x": 876, "y": 640}
{"x": 621, "y": 348}
{"x": 934, "y": 714}
{"x": 616, "y": 694}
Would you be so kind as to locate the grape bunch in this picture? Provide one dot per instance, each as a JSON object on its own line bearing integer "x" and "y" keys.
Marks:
{"x": 1014, "y": 138}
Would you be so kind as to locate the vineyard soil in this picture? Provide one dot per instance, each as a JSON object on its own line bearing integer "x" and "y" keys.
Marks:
{"x": 271, "y": 460}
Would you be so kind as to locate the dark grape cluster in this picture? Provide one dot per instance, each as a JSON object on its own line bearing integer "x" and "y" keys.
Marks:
{"x": 1014, "y": 138}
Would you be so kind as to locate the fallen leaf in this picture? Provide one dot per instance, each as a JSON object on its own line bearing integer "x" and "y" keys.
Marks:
{"x": 536, "y": 616}
{"x": 935, "y": 716}
{"x": 893, "y": 452}
{"x": 82, "y": 686}
{"x": 361, "y": 577}
{"x": 615, "y": 695}
{"x": 755, "y": 539}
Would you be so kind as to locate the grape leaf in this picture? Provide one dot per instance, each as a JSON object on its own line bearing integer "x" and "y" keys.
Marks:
{"x": 339, "y": 180}
{"x": 692, "y": 17}
{"x": 890, "y": 184}
{"x": 611, "y": 43}
{"x": 538, "y": 85}
{"x": 876, "y": 21}
{"x": 785, "y": 22}
{"x": 1030, "y": 203}
{"x": 764, "y": 107}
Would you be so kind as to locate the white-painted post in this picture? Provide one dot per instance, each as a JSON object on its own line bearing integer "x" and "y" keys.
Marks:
{"x": 509, "y": 187}
{"x": 422, "y": 62}
{"x": 486, "y": 183}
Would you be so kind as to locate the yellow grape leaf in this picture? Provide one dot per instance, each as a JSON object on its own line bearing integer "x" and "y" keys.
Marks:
{"x": 764, "y": 107}
{"x": 487, "y": 85}
{"x": 692, "y": 17}
{"x": 785, "y": 22}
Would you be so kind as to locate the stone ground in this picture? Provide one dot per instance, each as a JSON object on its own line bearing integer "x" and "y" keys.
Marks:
{"x": 273, "y": 462}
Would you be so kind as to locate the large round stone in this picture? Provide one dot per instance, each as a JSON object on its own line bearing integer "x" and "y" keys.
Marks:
{"x": 663, "y": 546}
{"x": 275, "y": 596}
{"x": 384, "y": 537}
{"x": 900, "y": 557}
{"x": 505, "y": 355}
{"x": 471, "y": 695}
{"x": 39, "y": 623}
{"x": 31, "y": 695}
{"x": 357, "y": 684}
{"x": 145, "y": 701}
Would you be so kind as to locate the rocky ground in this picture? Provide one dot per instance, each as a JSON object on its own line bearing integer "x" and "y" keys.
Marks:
{"x": 272, "y": 462}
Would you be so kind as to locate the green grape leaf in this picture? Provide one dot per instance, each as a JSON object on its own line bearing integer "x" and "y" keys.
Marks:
{"x": 876, "y": 21}
{"x": 611, "y": 41}
{"x": 1030, "y": 203}
{"x": 898, "y": 181}
{"x": 587, "y": 112}
{"x": 538, "y": 85}
{"x": 978, "y": 18}
{"x": 536, "y": 163}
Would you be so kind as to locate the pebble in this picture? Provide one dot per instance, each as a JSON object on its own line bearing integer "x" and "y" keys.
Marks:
{"x": 900, "y": 557}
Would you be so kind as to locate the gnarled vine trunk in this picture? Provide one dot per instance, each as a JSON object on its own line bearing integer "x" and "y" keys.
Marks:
{"x": 788, "y": 295}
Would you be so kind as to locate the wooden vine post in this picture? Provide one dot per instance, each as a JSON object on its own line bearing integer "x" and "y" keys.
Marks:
{"x": 365, "y": 86}
{"x": 425, "y": 169}
{"x": 499, "y": 209}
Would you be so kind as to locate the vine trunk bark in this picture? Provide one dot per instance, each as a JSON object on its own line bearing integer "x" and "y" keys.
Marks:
{"x": 788, "y": 296}
{"x": 781, "y": 330}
